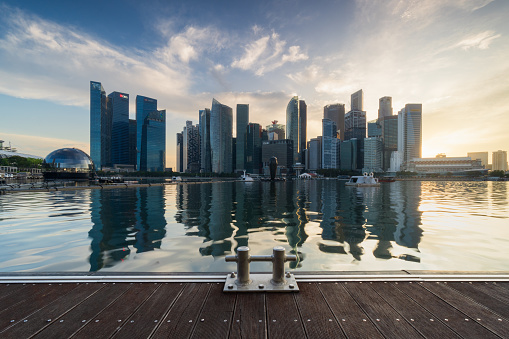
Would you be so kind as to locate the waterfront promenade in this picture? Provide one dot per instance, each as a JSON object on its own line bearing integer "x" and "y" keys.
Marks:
{"x": 396, "y": 304}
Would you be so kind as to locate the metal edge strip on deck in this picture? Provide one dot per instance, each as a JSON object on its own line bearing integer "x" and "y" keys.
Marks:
{"x": 221, "y": 279}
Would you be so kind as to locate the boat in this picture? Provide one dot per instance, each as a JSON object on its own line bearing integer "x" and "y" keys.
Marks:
{"x": 176, "y": 179}
{"x": 246, "y": 177}
{"x": 363, "y": 181}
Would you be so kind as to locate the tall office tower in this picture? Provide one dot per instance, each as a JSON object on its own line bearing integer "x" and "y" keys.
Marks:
{"x": 330, "y": 144}
{"x": 355, "y": 128}
{"x": 221, "y": 124}
{"x": 205, "y": 161}
{"x": 372, "y": 154}
{"x": 242, "y": 122}
{"x": 384, "y": 107}
{"x": 132, "y": 143}
{"x": 191, "y": 141}
{"x": 348, "y": 155}
{"x": 357, "y": 101}
{"x": 499, "y": 160}
{"x": 292, "y": 126}
{"x": 144, "y": 106}
{"x": 234, "y": 154}
{"x": 100, "y": 126}
{"x": 336, "y": 113}
{"x": 389, "y": 126}
{"x": 314, "y": 154}
{"x": 483, "y": 156}
{"x": 119, "y": 103}
{"x": 303, "y": 116}
{"x": 180, "y": 153}
{"x": 410, "y": 132}
{"x": 153, "y": 142}
{"x": 253, "y": 149}
{"x": 281, "y": 149}
{"x": 275, "y": 131}
{"x": 374, "y": 129}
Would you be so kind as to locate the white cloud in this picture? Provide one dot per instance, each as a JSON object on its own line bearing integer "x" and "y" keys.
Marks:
{"x": 267, "y": 54}
{"x": 481, "y": 40}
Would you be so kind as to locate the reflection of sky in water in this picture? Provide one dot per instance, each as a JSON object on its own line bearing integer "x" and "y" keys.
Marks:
{"x": 179, "y": 228}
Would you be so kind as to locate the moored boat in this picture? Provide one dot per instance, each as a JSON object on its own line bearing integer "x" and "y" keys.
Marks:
{"x": 363, "y": 181}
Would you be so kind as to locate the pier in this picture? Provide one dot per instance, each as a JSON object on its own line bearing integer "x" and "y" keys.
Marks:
{"x": 399, "y": 304}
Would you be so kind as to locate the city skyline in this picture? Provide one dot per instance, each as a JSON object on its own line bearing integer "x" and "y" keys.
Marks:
{"x": 447, "y": 55}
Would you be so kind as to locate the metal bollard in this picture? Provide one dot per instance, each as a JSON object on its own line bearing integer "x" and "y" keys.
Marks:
{"x": 278, "y": 259}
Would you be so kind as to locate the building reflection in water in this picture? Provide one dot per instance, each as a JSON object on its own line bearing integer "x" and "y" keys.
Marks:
{"x": 124, "y": 220}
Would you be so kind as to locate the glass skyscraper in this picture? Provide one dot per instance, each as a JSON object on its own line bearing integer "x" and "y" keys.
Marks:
{"x": 242, "y": 122}
{"x": 303, "y": 115}
{"x": 253, "y": 150}
{"x": 132, "y": 143}
{"x": 153, "y": 142}
{"x": 119, "y": 103}
{"x": 221, "y": 125}
{"x": 180, "y": 153}
{"x": 292, "y": 126}
{"x": 100, "y": 126}
{"x": 205, "y": 161}
{"x": 330, "y": 144}
{"x": 336, "y": 113}
{"x": 144, "y": 106}
{"x": 410, "y": 132}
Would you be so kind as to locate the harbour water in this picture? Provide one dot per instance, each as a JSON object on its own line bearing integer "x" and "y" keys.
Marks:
{"x": 407, "y": 225}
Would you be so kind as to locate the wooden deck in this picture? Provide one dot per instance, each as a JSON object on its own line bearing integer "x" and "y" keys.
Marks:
{"x": 201, "y": 310}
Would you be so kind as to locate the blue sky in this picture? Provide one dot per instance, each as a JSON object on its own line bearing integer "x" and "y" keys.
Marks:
{"x": 451, "y": 56}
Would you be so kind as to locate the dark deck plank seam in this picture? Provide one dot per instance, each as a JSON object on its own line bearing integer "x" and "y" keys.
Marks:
{"x": 61, "y": 315}
{"x": 331, "y": 311}
{"x": 230, "y": 328}
{"x": 15, "y": 288}
{"x": 159, "y": 323}
{"x": 462, "y": 311}
{"x": 135, "y": 310}
{"x": 362, "y": 309}
{"x": 300, "y": 315}
{"x": 102, "y": 310}
{"x": 201, "y": 309}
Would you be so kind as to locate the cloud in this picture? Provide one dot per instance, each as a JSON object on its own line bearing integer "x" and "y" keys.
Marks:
{"x": 267, "y": 54}
{"x": 41, "y": 146}
{"x": 481, "y": 40}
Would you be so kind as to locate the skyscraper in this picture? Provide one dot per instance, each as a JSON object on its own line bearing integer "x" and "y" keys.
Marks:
{"x": 153, "y": 142}
{"x": 372, "y": 154}
{"x": 253, "y": 150}
{"x": 144, "y": 106}
{"x": 132, "y": 143}
{"x": 275, "y": 131}
{"x": 191, "y": 141}
{"x": 336, "y": 113}
{"x": 384, "y": 107}
{"x": 355, "y": 128}
{"x": 357, "y": 101}
{"x": 330, "y": 144}
{"x": 120, "y": 128}
{"x": 242, "y": 122}
{"x": 389, "y": 126}
{"x": 374, "y": 129}
{"x": 292, "y": 126}
{"x": 499, "y": 160}
{"x": 205, "y": 161}
{"x": 410, "y": 132}
{"x": 180, "y": 153}
{"x": 314, "y": 154}
{"x": 483, "y": 156}
{"x": 303, "y": 114}
{"x": 100, "y": 126}
{"x": 221, "y": 124}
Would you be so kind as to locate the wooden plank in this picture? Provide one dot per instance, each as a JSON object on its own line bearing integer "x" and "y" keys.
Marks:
{"x": 77, "y": 317}
{"x": 494, "y": 290}
{"x": 116, "y": 314}
{"x": 474, "y": 292}
{"x": 149, "y": 315}
{"x": 249, "y": 310}
{"x": 39, "y": 320}
{"x": 412, "y": 312}
{"x": 182, "y": 318}
{"x": 480, "y": 314}
{"x": 33, "y": 300}
{"x": 13, "y": 300}
{"x": 503, "y": 284}
{"x": 283, "y": 318}
{"x": 444, "y": 312}
{"x": 318, "y": 320}
{"x": 8, "y": 289}
{"x": 217, "y": 314}
{"x": 350, "y": 316}
{"x": 388, "y": 321}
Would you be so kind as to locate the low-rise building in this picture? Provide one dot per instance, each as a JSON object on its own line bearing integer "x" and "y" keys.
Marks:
{"x": 440, "y": 165}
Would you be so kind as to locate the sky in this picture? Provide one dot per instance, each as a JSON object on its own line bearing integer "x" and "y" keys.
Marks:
{"x": 450, "y": 55}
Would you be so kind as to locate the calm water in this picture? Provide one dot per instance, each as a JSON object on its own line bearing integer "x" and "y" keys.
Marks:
{"x": 190, "y": 228}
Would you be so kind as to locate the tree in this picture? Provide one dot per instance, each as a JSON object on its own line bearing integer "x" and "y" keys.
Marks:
{"x": 497, "y": 173}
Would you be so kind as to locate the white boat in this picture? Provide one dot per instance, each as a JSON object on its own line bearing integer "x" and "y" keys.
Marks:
{"x": 177, "y": 179}
{"x": 246, "y": 177}
{"x": 363, "y": 181}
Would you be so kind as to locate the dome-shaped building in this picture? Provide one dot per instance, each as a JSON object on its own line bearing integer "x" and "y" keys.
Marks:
{"x": 68, "y": 163}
